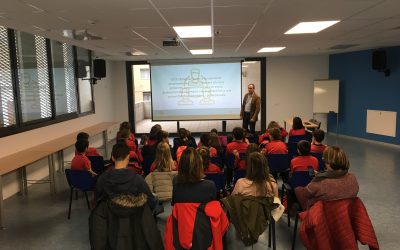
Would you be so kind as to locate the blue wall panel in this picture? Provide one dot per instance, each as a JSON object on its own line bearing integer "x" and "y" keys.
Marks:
{"x": 362, "y": 88}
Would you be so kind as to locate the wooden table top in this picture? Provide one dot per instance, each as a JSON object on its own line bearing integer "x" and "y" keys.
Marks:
{"x": 22, "y": 158}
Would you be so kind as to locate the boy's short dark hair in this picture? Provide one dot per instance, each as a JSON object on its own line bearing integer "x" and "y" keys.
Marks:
{"x": 82, "y": 136}
{"x": 229, "y": 138}
{"x": 205, "y": 139}
{"x": 81, "y": 146}
{"x": 319, "y": 135}
{"x": 120, "y": 151}
{"x": 238, "y": 133}
{"x": 275, "y": 133}
{"x": 304, "y": 147}
{"x": 214, "y": 130}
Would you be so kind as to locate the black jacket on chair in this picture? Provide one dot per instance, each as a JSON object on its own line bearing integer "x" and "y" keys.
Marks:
{"x": 124, "y": 222}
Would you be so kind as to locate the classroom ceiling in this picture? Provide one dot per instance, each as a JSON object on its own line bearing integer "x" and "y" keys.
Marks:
{"x": 241, "y": 27}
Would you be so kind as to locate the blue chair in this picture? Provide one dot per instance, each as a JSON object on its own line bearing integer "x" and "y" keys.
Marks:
{"x": 296, "y": 138}
{"x": 237, "y": 174}
{"x": 298, "y": 179}
{"x": 217, "y": 160}
{"x": 321, "y": 163}
{"x": 97, "y": 163}
{"x": 147, "y": 161}
{"x": 79, "y": 180}
{"x": 218, "y": 179}
{"x": 279, "y": 164}
{"x": 292, "y": 149}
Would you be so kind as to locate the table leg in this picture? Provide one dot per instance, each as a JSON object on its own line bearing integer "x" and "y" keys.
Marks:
{"x": 105, "y": 141}
{"x": 51, "y": 174}
{"x": 23, "y": 182}
{"x": 62, "y": 161}
{"x": 2, "y": 223}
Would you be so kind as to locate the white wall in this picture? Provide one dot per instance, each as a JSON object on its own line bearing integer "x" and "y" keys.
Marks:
{"x": 111, "y": 105}
{"x": 290, "y": 85}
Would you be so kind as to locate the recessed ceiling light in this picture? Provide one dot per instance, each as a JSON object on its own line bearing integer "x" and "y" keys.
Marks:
{"x": 137, "y": 53}
{"x": 201, "y": 51}
{"x": 249, "y": 62}
{"x": 311, "y": 27}
{"x": 193, "y": 31}
{"x": 270, "y": 49}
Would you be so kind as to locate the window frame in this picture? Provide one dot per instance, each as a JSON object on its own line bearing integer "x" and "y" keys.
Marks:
{"x": 21, "y": 126}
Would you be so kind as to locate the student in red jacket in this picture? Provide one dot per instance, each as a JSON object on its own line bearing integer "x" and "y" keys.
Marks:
{"x": 238, "y": 143}
{"x": 275, "y": 146}
{"x": 135, "y": 157}
{"x": 297, "y": 127}
{"x": 80, "y": 161}
{"x": 264, "y": 138}
{"x": 304, "y": 160}
{"x": 126, "y": 126}
{"x": 163, "y": 158}
{"x": 316, "y": 144}
{"x": 90, "y": 151}
{"x": 208, "y": 166}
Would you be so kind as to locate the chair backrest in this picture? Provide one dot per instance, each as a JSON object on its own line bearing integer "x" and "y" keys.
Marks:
{"x": 237, "y": 174}
{"x": 147, "y": 161}
{"x": 292, "y": 149}
{"x": 217, "y": 160}
{"x": 300, "y": 179}
{"x": 97, "y": 163}
{"x": 321, "y": 163}
{"x": 78, "y": 179}
{"x": 218, "y": 179}
{"x": 278, "y": 162}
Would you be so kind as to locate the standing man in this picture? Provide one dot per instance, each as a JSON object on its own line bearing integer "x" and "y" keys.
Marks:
{"x": 250, "y": 109}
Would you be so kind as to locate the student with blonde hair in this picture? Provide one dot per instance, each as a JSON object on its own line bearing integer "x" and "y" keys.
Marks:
{"x": 160, "y": 179}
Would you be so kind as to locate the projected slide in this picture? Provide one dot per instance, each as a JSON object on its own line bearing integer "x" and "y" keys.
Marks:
{"x": 196, "y": 91}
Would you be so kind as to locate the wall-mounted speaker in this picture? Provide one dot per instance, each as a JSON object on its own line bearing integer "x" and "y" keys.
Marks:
{"x": 99, "y": 68}
{"x": 379, "y": 60}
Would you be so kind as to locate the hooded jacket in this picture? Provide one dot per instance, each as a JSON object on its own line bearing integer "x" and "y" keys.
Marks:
{"x": 250, "y": 215}
{"x": 123, "y": 181}
{"x": 124, "y": 222}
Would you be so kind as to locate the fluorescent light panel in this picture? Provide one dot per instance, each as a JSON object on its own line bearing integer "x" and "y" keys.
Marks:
{"x": 201, "y": 51}
{"x": 310, "y": 27}
{"x": 249, "y": 62}
{"x": 271, "y": 49}
{"x": 193, "y": 31}
{"x": 137, "y": 53}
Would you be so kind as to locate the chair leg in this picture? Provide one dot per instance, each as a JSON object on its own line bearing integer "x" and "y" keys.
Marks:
{"x": 296, "y": 220}
{"x": 273, "y": 235}
{"x": 70, "y": 203}
{"x": 87, "y": 200}
{"x": 269, "y": 234}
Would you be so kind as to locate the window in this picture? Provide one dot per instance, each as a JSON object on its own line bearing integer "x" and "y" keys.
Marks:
{"x": 7, "y": 108}
{"x": 33, "y": 76}
{"x": 64, "y": 78}
{"x": 84, "y": 82}
{"x": 145, "y": 74}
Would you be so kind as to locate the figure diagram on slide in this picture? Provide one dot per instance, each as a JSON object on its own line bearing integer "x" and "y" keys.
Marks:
{"x": 194, "y": 82}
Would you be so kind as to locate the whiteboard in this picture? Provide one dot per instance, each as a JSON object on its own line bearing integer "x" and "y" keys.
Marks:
{"x": 381, "y": 122}
{"x": 326, "y": 96}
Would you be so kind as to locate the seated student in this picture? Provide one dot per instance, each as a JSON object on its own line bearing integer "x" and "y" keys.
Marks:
{"x": 131, "y": 139}
{"x": 189, "y": 186}
{"x": 304, "y": 160}
{"x": 182, "y": 142}
{"x": 149, "y": 150}
{"x": 238, "y": 142}
{"x": 90, "y": 151}
{"x": 297, "y": 127}
{"x": 264, "y": 138}
{"x": 163, "y": 158}
{"x": 143, "y": 141}
{"x": 334, "y": 184}
{"x": 241, "y": 164}
{"x": 80, "y": 161}
{"x": 135, "y": 157}
{"x": 215, "y": 143}
{"x": 208, "y": 166}
{"x": 316, "y": 144}
{"x": 258, "y": 181}
{"x": 205, "y": 142}
{"x": 275, "y": 146}
{"x": 162, "y": 173}
{"x": 121, "y": 180}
